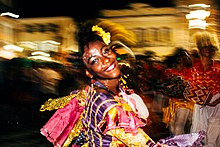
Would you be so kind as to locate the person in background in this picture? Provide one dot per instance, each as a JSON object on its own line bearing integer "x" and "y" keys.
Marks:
{"x": 48, "y": 81}
{"x": 204, "y": 88}
{"x": 177, "y": 115}
{"x": 107, "y": 114}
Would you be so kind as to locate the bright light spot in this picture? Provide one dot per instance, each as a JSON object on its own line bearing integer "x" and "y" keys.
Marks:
{"x": 44, "y": 58}
{"x": 9, "y": 14}
{"x": 51, "y": 41}
{"x": 7, "y": 54}
{"x": 29, "y": 44}
{"x": 201, "y": 24}
{"x": 13, "y": 47}
{"x": 40, "y": 58}
{"x": 198, "y": 14}
{"x": 200, "y": 5}
{"x": 40, "y": 53}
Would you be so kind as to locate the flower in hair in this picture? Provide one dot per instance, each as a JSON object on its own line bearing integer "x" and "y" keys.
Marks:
{"x": 105, "y": 35}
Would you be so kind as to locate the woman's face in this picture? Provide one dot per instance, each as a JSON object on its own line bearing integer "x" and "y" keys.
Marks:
{"x": 207, "y": 51}
{"x": 101, "y": 61}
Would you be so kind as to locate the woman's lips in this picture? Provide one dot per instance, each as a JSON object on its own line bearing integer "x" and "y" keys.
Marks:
{"x": 111, "y": 67}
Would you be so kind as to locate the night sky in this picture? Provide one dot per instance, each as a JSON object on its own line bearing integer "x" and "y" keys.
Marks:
{"x": 79, "y": 10}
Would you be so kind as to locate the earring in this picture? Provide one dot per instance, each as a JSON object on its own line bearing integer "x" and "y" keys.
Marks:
{"x": 88, "y": 74}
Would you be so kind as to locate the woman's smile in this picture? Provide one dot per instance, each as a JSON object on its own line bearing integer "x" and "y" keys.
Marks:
{"x": 111, "y": 67}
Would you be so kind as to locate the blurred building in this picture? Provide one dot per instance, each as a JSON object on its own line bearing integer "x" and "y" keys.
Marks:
{"x": 157, "y": 29}
{"x": 9, "y": 37}
{"x": 48, "y": 34}
{"x": 162, "y": 29}
{"x": 38, "y": 37}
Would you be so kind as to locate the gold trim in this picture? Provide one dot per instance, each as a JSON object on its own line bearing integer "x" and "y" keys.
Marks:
{"x": 53, "y": 104}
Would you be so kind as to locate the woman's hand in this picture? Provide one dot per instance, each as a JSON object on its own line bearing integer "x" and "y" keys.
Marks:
{"x": 214, "y": 103}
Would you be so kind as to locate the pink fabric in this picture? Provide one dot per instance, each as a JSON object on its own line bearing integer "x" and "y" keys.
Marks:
{"x": 61, "y": 123}
{"x": 124, "y": 119}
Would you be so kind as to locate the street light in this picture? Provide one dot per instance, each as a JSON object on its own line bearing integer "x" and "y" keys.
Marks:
{"x": 9, "y": 14}
{"x": 197, "y": 16}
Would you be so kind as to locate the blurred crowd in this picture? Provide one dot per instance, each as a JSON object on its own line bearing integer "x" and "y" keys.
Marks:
{"x": 28, "y": 84}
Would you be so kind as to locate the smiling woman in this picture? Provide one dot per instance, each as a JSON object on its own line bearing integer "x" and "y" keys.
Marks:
{"x": 104, "y": 113}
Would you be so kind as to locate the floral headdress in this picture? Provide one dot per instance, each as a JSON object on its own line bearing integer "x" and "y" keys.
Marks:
{"x": 106, "y": 36}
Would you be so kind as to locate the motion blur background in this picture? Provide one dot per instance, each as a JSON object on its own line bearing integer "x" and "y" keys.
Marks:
{"x": 39, "y": 54}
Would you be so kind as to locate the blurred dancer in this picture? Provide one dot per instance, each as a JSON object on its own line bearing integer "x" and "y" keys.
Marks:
{"x": 107, "y": 114}
{"x": 49, "y": 81}
{"x": 178, "y": 114}
{"x": 204, "y": 88}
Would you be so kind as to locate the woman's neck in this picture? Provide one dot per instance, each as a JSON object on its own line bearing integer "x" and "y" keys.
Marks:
{"x": 111, "y": 84}
{"x": 206, "y": 62}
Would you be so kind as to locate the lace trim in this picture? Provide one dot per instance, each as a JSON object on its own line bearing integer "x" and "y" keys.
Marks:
{"x": 53, "y": 104}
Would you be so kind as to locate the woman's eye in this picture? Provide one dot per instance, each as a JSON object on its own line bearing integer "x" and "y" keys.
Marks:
{"x": 106, "y": 51}
{"x": 93, "y": 61}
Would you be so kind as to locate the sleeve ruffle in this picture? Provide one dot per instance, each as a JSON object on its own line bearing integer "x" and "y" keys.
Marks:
{"x": 118, "y": 117}
{"x": 58, "y": 127}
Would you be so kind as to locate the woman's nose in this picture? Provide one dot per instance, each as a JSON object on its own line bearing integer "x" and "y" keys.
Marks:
{"x": 105, "y": 59}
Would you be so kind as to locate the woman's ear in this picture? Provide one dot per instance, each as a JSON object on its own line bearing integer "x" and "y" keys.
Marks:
{"x": 88, "y": 74}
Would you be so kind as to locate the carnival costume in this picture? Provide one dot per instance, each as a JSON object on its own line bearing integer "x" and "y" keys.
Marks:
{"x": 96, "y": 117}
{"x": 177, "y": 102}
{"x": 101, "y": 112}
{"x": 99, "y": 119}
{"x": 204, "y": 84}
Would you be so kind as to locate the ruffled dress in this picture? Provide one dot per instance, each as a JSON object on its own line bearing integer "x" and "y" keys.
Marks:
{"x": 95, "y": 119}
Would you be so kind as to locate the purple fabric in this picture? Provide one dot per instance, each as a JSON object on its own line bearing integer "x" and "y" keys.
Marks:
{"x": 95, "y": 111}
{"x": 97, "y": 106}
{"x": 184, "y": 140}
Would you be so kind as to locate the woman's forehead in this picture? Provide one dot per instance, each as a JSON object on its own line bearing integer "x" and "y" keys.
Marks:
{"x": 93, "y": 48}
{"x": 91, "y": 51}
{"x": 94, "y": 45}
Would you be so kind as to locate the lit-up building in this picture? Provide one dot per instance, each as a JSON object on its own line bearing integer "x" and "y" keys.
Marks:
{"x": 9, "y": 37}
{"x": 162, "y": 29}
{"x": 38, "y": 35}
{"x": 52, "y": 34}
{"x": 157, "y": 29}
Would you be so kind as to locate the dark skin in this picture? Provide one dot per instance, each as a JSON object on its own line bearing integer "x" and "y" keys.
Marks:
{"x": 102, "y": 65}
{"x": 214, "y": 103}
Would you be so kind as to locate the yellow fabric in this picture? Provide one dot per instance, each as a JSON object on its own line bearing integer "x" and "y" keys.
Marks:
{"x": 126, "y": 107}
{"x": 112, "y": 112}
{"x": 138, "y": 140}
{"x": 174, "y": 104}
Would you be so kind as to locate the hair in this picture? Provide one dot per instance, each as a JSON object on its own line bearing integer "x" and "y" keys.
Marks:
{"x": 178, "y": 52}
{"x": 117, "y": 34}
{"x": 205, "y": 38}
{"x": 86, "y": 35}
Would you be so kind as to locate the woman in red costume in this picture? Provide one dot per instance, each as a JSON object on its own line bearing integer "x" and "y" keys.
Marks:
{"x": 204, "y": 88}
